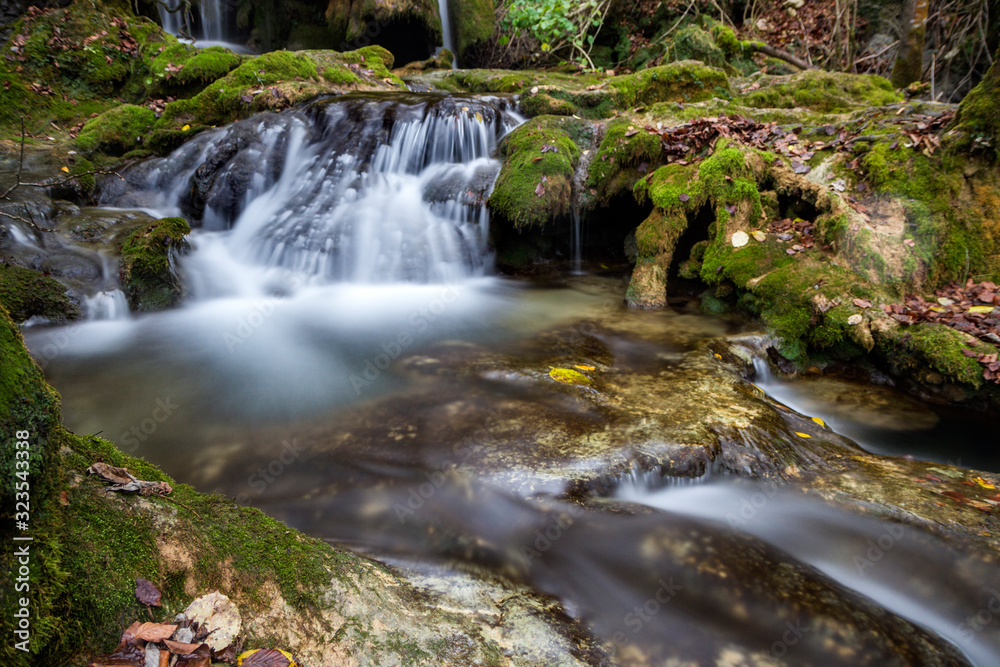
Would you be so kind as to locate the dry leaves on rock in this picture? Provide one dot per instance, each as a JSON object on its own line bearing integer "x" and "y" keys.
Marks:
{"x": 147, "y": 593}
{"x": 122, "y": 480}
{"x": 973, "y": 309}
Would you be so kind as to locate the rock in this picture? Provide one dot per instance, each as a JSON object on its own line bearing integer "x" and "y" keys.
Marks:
{"x": 147, "y": 256}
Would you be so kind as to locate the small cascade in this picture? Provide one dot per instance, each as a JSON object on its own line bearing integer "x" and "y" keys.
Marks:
{"x": 577, "y": 240}
{"x": 176, "y": 20}
{"x": 172, "y": 17}
{"x": 447, "y": 36}
{"x": 378, "y": 189}
{"x": 213, "y": 20}
{"x": 107, "y": 305}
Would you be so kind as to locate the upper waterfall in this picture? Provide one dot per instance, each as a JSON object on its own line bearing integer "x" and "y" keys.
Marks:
{"x": 368, "y": 189}
{"x": 211, "y": 14}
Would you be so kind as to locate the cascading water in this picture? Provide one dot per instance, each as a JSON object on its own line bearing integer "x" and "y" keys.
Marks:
{"x": 364, "y": 190}
{"x": 176, "y": 20}
{"x": 447, "y": 38}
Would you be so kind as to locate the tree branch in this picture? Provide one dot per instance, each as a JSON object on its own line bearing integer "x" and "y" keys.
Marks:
{"x": 761, "y": 47}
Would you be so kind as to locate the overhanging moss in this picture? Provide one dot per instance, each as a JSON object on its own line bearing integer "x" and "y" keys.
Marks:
{"x": 535, "y": 183}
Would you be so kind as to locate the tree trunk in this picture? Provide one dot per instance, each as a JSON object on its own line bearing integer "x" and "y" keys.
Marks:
{"x": 909, "y": 65}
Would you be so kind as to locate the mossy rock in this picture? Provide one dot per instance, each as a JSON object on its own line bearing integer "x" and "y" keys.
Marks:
{"x": 147, "y": 276}
{"x": 933, "y": 348}
{"x": 179, "y": 68}
{"x": 979, "y": 112}
{"x": 685, "y": 81}
{"x": 627, "y": 152}
{"x": 25, "y": 294}
{"x": 116, "y": 131}
{"x": 278, "y": 80}
{"x": 474, "y": 22}
{"x": 819, "y": 90}
{"x": 535, "y": 183}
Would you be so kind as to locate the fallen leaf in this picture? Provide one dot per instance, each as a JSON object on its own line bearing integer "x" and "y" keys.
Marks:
{"x": 819, "y": 421}
{"x": 147, "y": 593}
{"x": 185, "y": 128}
{"x": 803, "y": 435}
{"x": 584, "y": 368}
{"x": 218, "y": 616}
{"x": 154, "y": 632}
{"x": 568, "y": 376}
{"x": 854, "y": 320}
{"x": 540, "y": 190}
{"x": 861, "y": 303}
{"x": 759, "y": 235}
{"x": 981, "y": 309}
{"x": 66, "y": 169}
{"x": 740, "y": 239}
{"x": 683, "y": 197}
{"x": 983, "y": 483}
{"x": 268, "y": 657}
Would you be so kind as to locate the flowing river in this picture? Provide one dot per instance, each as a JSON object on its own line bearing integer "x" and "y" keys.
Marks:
{"x": 345, "y": 356}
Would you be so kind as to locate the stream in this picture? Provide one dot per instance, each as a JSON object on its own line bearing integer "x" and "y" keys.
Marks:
{"x": 345, "y": 343}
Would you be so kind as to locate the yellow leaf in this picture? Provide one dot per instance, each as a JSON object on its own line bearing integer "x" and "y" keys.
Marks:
{"x": 819, "y": 421}
{"x": 759, "y": 235}
{"x": 981, "y": 309}
{"x": 584, "y": 368}
{"x": 66, "y": 169}
{"x": 568, "y": 376}
{"x": 983, "y": 483}
{"x": 185, "y": 128}
{"x": 240, "y": 661}
{"x": 545, "y": 47}
{"x": 718, "y": 356}
{"x": 803, "y": 435}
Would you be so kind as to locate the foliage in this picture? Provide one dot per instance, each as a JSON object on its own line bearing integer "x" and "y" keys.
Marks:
{"x": 559, "y": 26}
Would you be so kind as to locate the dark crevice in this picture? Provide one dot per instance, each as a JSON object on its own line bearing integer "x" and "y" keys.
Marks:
{"x": 792, "y": 206}
{"x": 697, "y": 230}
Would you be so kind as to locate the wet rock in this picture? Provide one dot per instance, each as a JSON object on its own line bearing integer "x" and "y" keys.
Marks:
{"x": 148, "y": 272}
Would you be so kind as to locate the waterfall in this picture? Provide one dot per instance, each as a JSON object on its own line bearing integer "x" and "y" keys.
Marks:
{"x": 375, "y": 189}
{"x": 211, "y": 12}
{"x": 447, "y": 38}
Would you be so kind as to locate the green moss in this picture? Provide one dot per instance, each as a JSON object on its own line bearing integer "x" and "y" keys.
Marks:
{"x": 145, "y": 264}
{"x": 474, "y": 22}
{"x": 528, "y": 171}
{"x": 544, "y": 104}
{"x": 819, "y": 90}
{"x": 197, "y": 67}
{"x": 693, "y": 43}
{"x": 940, "y": 348}
{"x": 117, "y": 130}
{"x": 625, "y": 148}
{"x": 979, "y": 113}
{"x": 682, "y": 81}
{"x": 25, "y": 294}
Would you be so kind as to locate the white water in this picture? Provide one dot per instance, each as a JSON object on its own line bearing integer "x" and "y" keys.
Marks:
{"x": 447, "y": 40}
{"x": 213, "y": 20}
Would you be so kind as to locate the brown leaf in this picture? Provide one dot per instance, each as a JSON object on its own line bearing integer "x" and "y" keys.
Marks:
{"x": 862, "y": 303}
{"x": 181, "y": 648}
{"x": 266, "y": 658}
{"x": 110, "y": 473}
{"x": 683, "y": 197}
{"x": 540, "y": 190}
{"x": 147, "y": 593}
{"x": 154, "y": 632}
